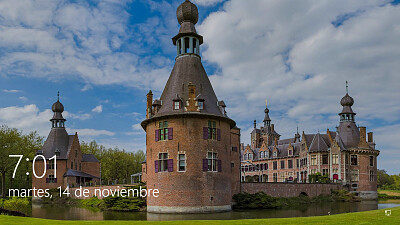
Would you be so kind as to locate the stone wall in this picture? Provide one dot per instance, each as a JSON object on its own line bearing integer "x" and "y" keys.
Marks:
{"x": 289, "y": 189}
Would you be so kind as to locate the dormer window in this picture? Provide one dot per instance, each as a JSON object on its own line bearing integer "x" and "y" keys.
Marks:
{"x": 275, "y": 154}
{"x": 200, "y": 104}
{"x": 290, "y": 152}
{"x": 177, "y": 105}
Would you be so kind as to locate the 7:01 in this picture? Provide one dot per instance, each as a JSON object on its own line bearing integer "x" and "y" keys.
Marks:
{"x": 33, "y": 165}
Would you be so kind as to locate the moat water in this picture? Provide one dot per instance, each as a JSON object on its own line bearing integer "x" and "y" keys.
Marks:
{"x": 74, "y": 213}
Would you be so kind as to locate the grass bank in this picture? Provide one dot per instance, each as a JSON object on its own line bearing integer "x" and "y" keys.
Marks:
{"x": 368, "y": 217}
{"x": 388, "y": 194}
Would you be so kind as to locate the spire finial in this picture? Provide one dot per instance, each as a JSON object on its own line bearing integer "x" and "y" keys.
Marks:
{"x": 347, "y": 87}
{"x": 58, "y": 95}
{"x": 297, "y": 128}
{"x": 266, "y": 103}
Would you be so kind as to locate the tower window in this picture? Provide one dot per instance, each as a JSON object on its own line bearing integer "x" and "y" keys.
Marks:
{"x": 371, "y": 160}
{"x": 212, "y": 130}
{"x": 371, "y": 175}
{"x": 212, "y": 161}
{"x": 353, "y": 160}
{"x": 164, "y": 133}
{"x": 72, "y": 165}
{"x": 182, "y": 162}
{"x": 354, "y": 175}
{"x": 162, "y": 162}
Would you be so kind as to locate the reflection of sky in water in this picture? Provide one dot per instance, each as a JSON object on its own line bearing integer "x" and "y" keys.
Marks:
{"x": 73, "y": 213}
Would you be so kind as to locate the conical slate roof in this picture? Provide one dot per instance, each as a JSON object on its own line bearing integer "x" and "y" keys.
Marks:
{"x": 188, "y": 69}
{"x": 188, "y": 73}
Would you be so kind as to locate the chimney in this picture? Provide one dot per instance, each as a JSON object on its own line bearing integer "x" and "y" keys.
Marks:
{"x": 370, "y": 137}
{"x": 192, "y": 98}
{"x": 149, "y": 104}
{"x": 276, "y": 141}
{"x": 363, "y": 137}
{"x": 255, "y": 124}
{"x": 272, "y": 128}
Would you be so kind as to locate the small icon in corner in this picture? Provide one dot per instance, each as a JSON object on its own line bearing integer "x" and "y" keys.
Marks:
{"x": 388, "y": 212}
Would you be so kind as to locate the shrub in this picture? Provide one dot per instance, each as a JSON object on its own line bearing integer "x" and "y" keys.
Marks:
{"x": 22, "y": 205}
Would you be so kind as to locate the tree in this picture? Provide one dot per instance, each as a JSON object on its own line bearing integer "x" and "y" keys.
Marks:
{"x": 13, "y": 142}
{"x": 384, "y": 179}
{"x": 116, "y": 165}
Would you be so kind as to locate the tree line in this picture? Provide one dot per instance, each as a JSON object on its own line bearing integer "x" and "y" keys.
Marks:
{"x": 116, "y": 165}
{"x": 388, "y": 182}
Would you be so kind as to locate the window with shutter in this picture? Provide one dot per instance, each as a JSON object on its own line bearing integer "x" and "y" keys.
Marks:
{"x": 157, "y": 135}
{"x": 212, "y": 162}
{"x": 205, "y": 133}
{"x": 170, "y": 165}
{"x": 156, "y": 166}
{"x": 205, "y": 165}
{"x": 163, "y": 162}
{"x": 170, "y": 133}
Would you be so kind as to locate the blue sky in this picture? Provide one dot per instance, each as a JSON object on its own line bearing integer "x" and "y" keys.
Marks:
{"x": 104, "y": 56}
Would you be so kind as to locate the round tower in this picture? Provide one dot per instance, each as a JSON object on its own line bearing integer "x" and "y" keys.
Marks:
{"x": 189, "y": 148}
{"x": 347, "y": 128}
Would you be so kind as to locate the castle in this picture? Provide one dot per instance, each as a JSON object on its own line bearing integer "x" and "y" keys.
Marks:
{"x": 344, "y": 156}
{"x": 72, "y": 168}
{"x": 192, "y": 146}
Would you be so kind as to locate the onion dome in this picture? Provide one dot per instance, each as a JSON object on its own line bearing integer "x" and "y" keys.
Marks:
{"x": 347, "y": 100}
{"x": 58, "y": 107}
{"x": 187, "y": 12}
{"x": 58, "y": 119}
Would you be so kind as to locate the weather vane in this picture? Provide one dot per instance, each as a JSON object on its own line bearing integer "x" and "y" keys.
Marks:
{"x": 266, "y": 102}
{"x": 347, "y": 87}
{"x": 58, "y": 96}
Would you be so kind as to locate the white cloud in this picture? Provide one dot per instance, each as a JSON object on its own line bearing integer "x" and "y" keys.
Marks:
{"x": 207, "y": 2}
{"x": 27, "y": 118}
{"x": 90, "y": 132}
{"x": 59, "y": 40}
{"x": 83, "y": 116}
{"x": 98, "y": 109}
{"x": 11, "y": 91}
{"x": 23, "y": 98}
{"x": 291, "y": 53}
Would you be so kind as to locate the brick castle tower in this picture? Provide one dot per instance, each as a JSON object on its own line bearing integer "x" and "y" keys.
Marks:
{"x": 192, "y": 146}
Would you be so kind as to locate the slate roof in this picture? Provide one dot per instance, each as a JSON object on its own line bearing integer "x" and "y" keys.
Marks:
{"x": 58, "y": 138}
{"x": 318, "y": 144}
{"x": 75, "y": 173}
{"x": 89, "y": 158}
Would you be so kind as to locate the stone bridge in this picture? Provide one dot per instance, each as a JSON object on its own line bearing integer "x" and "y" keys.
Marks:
{"x": 290, "y": 189}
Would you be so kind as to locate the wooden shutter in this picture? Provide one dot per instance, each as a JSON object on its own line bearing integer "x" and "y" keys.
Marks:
{"x": 156, "y": 166}
{"x": 205, "y": 165}
{"x": 170, "y": 165}
{"x": 218, "y": 134}
{"x": 55, "y": 180}
{"x": 170, "y": 133}
{"x": 219, "y": 163}
{"x": 157, "y": 135}
{"x": 205, "y": 133}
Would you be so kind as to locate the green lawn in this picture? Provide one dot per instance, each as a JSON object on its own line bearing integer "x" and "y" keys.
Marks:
{"x": 368, "y": 217}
